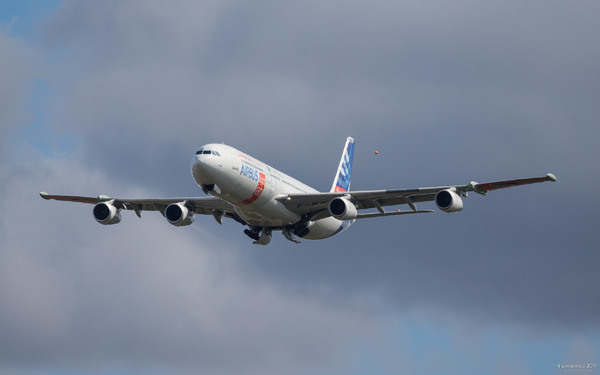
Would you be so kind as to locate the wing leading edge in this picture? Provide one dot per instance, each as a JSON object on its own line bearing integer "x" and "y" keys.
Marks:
{"x": 489, "y": 186}
{"x": 316, "y": 204}
{"x": 203, "y": 205}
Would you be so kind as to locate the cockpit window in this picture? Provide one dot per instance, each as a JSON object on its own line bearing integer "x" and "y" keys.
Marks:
{"x": 207, "y": 152}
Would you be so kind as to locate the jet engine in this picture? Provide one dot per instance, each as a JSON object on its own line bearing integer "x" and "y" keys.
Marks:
{"x": 342, "y": 208}
{"x": 106, "y": 213}
{"x": 448, "y": 201}
{"x": 179, "y": 215}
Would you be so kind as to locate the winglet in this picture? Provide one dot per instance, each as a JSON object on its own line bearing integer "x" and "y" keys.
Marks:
{"x": 44, "y": 195}
{"x": 551, "y": 177}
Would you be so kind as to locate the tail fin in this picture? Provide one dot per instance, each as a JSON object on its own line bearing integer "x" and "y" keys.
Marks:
{"x": 344, "y": 171}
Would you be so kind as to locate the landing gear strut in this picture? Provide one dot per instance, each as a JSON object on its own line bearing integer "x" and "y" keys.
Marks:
{"x": 255, "y": 235}
{"x": 288, "y": 232}
{"x": 261, "y": 236}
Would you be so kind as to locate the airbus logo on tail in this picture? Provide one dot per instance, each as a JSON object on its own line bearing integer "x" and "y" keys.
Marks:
{"x": 344, "y": 175}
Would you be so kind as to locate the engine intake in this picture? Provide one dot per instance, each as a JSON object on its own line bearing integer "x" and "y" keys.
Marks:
{"x": 342, "y": 208}
{"x": 448, "y": 201}
{"x": 179, "y": 215}
{"x": 106, "y": 213}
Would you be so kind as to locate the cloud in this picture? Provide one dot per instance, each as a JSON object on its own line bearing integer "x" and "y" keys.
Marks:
{"x": 17, "y": 72}
{"x": 449, "y": 96}
{"x": 447, "y": 92}
{"x": 140, "y": 295}
{"x": 278, "y": 75}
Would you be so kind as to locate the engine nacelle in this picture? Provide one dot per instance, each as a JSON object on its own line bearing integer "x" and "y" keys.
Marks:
{"x": 179, "y": 215}
{"x": 342, "y": 209}
{"x": 448, "y": 201}
{"x": 106, "y": 213}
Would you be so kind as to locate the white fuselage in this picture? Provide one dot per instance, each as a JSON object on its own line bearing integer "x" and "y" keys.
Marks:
{"x": 252, "y": 186}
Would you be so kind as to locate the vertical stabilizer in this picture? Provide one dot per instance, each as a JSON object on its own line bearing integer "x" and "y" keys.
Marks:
{"x": 344, "y": 171}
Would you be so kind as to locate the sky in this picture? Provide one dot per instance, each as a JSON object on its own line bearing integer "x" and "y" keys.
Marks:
{"x": 115, "y": 97}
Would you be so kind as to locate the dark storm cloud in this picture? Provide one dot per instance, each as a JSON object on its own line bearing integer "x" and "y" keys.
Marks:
{"x": 449, "y": 91}
{"x": 467, "y": 76}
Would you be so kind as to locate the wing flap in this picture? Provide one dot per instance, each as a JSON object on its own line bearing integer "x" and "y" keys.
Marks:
{"x": 396, "y": 213}
{"x": 397, "y": 200}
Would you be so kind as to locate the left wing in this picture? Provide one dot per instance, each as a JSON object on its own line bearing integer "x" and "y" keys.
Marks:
{"x": 316, "y": 205}
{"x": 203, "y": 205}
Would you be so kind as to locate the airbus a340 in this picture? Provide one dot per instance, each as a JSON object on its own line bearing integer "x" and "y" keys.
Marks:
{"x": 264, "y": 199}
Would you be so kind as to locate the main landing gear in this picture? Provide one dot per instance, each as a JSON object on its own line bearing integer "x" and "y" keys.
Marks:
{"x": 261, "y": 236}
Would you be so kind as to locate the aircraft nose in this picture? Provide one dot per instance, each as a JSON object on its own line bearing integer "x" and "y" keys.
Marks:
{"x": 200, "y": 170}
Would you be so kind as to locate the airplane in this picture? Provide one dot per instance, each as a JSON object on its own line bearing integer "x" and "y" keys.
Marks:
{"x": 264, "y": 200}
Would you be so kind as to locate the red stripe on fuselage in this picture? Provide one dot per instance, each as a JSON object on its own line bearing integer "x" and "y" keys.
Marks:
{"x": 257, "y": 192}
